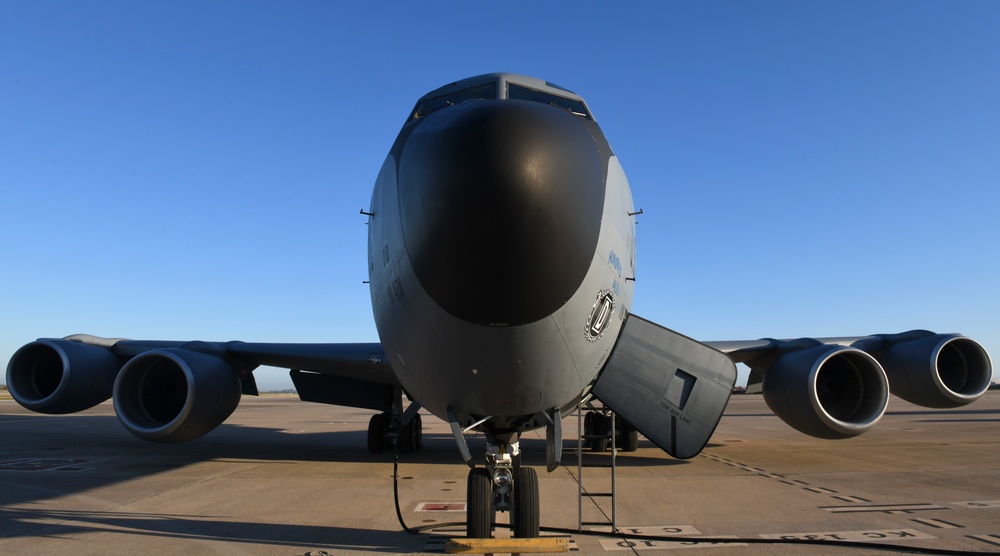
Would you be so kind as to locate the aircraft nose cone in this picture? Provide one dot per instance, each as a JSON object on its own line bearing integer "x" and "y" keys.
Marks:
{"x": 501, "y": 205}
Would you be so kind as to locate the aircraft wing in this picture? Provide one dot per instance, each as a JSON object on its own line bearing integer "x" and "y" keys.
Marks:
{"x": 171, "y": 391}
{"x": 673, "y": 389}
{"x": 838, "y": 387}
{"x": 357, "y": 361}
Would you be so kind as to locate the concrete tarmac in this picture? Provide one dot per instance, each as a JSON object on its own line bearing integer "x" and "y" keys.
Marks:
{"x": 284, "y": 477}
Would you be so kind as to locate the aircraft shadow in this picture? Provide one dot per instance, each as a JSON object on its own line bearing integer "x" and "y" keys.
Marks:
{"x": 310, "y": 537}
{"x": 946, "y": 412}
{"x": 70, "y": 454}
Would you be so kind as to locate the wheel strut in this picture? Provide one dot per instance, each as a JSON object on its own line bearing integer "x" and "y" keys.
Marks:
{"x": 502, "y": 486}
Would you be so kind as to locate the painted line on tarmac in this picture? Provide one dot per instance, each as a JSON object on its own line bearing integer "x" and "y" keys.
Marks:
{"x": 854, "y": 536}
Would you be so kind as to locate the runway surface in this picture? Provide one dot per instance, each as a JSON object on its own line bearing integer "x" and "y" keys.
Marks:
{"x": 285, "y": 477}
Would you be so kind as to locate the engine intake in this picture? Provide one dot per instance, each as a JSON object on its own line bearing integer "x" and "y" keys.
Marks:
{"x": 61, "y": 376}
{"x": 937, "y": 370}
{"x": 175, "y": 395}
{"x": 827, "y": 391}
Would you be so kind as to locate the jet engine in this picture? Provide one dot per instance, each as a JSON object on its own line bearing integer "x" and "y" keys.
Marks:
{"x": 827, "y": 391}
{"x": 936, "y": 370}
{"x": 61, "y": 376}
{"x": 175, "y": 395}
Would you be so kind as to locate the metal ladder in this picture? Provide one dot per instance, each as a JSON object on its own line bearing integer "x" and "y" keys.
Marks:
{"x": 586, "y": 404}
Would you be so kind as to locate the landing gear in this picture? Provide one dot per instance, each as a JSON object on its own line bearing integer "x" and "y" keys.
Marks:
{"x": 411, "y": 436}
{"x": 628, "y": 435}
{"x": 385, "y": 429}
{"x": 479, "y": 512}
{"x": 525, "y": 512}
{"x": 378, "y": 433}
{"x": 502, "y": 486}
{"x": 597, "y": 431}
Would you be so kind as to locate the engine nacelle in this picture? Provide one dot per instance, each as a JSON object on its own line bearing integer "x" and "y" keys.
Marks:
{"x": 175, "y": 395}
{"x": 61, "y": 376}
{"x": 827, "y": 391}
{"x": 937, "y": 370}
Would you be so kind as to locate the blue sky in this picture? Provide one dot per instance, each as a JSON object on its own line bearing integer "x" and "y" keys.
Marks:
{"x": 193, "y": 170}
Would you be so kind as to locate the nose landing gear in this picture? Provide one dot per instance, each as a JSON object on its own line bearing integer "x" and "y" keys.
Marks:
{"x": 503, "y": 485}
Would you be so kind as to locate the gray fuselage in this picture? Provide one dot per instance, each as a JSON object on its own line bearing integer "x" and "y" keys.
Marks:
{"x": 501, "y": 251}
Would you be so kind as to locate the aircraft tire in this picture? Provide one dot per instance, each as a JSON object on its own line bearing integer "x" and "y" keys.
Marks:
{"x": 629, "y": 436}
{"x": 525, "y": 513}
{"x": 630, "y": 441}
{"x": 410, "y": 437}
{"x": 479, "y": 514}
{"x": 599, "y": 427}
{"x": 378, "y": 426}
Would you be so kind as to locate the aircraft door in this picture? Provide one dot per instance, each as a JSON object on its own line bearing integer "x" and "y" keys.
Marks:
{"x": 671, "y": 388}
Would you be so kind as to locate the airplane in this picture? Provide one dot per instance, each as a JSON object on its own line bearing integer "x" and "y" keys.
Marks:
{"x": 501, "y": 261}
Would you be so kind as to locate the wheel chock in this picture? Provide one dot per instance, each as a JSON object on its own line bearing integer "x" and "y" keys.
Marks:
{"x": 510, "y": 546}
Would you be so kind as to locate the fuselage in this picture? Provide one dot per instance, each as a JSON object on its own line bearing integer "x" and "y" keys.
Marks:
{"x": 501, "y": 251}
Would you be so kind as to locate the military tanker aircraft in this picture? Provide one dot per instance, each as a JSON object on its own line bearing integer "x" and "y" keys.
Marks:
{"x": 501, "y": 260}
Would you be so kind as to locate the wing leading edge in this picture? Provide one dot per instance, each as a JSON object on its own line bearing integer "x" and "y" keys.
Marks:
{"x": 172, "y": 391}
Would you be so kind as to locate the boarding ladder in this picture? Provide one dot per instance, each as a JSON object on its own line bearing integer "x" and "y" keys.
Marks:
{"x": 586, "y": 404}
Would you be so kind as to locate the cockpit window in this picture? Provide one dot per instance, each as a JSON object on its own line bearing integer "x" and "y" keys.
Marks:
{"x": 478, "y": 92}
{"x": 520, "y": 92}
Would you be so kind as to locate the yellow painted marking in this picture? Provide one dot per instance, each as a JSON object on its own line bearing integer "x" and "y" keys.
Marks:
{"x": 511, "y": 546}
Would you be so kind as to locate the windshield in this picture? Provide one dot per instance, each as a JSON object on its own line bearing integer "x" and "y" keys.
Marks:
{"x": 520, "y": 92}
{"x": 479, "y": 92}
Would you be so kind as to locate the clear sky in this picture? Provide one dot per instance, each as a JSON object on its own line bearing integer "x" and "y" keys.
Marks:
{"x": 195, "y": 170}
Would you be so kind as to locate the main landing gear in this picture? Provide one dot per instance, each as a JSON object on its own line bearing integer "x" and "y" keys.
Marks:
{"x": 503, "y": 485}
{"x": 597, "y": 432}
{"x": 386, "y": 429}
